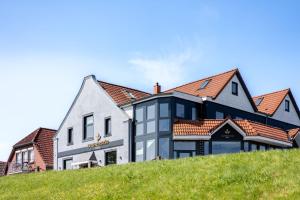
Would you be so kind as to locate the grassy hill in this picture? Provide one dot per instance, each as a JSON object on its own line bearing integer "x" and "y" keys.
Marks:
{"x": 260, "y": 175}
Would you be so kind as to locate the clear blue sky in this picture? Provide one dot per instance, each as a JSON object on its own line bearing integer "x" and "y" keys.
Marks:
{"x": 47, "y": 47}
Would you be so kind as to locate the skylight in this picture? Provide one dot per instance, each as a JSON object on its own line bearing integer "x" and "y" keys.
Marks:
{"x": 204, "y": 84}
{"x": 258, "y": 101}
{"x": 131, "y": 95}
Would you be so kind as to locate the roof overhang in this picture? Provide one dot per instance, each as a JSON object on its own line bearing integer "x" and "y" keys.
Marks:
{"x": 268, "y": 141}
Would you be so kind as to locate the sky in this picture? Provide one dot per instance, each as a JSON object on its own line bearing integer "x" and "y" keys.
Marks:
{"x": 48, "y": 47}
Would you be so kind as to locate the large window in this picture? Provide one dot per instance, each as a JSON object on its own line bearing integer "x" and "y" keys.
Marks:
{"x": 184, "y": 149}
{"x": 18, "y": 158}
{"x": 139, "y": 115}
{"x": 180, "y": 110}
{"x": 164, "y": 125}
{"x": 150, "y": 151}
{"x": 164, "y": 148}
{"x": 226, "y": 147}
{"x": 151, "y": 119}
{"x": 235, "y": 88}
{"x": 25, "y": 157}
{"x": 164, "y": 110}
{"x": 30, "y": 156}
{"x": 67, "y": 164}
{"x": 107, "y": 126}
{"x": 111, "y": 158}
{"x": 70, "y": 136}
{"x": 88, "y": 132}
{"x": 139, "y": 152}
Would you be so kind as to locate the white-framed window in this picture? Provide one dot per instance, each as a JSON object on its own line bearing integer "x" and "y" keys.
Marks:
{"x": 88, "y": 132}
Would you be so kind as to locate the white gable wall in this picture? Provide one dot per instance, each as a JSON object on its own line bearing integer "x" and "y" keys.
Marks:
{"x": 288, "y": 117}
{"x": 93, "y": 100}
{"x": 239, "y": 102}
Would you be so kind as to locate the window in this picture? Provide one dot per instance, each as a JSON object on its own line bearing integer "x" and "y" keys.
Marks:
{"x": 287, "y": 105}
{"x": 194, "y": 113}
{"x": 70, "y": 136}
{"x": 151, "y": 112}
{"x": 110, "y": 158}
{"x": 139, "y": 115}
{"x": 31, "y": 156}
{"x": 246, "y": 146}
{"x": 262, "y": 147}
{"x": 235, "y": 88}
{"x": 139, "y": 153}
{"x": 204, "y": 84}
{"x": 18, "y": 158}
{"x": 164, "y": 125}
{"x": 219, "y": 115}
{"x": 151, "y": 127}
{"x": 108, "y": 127}
{"x": 140, "y": 129}
{"x": 24, "y": 157}
{"x": 258, "y": 101}
{"x": 226, "y": 147}
{"x": 253, "y": 147}
{"x": 88, "y": 132}
{"x": 150, "y": 151}
{"x": 188, "y": 146}
{"x": 206, "y": 148}
{"x": 164, "y": 110}
{"x": 67, "y": 164}
{"x": 179, "y": 110}
{"x": 164, "y": 148}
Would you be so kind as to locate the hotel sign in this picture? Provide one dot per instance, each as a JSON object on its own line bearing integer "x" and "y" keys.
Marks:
{"x": 99, "y": 143}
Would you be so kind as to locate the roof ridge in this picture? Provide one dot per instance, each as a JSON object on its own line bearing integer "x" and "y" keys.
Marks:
{"x": 288, "y": 89}
{"x": 123, "y": 86}
{"x": 210, "y": 77}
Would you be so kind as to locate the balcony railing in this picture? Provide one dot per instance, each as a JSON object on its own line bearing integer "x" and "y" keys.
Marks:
{"x": 16, "y": 168}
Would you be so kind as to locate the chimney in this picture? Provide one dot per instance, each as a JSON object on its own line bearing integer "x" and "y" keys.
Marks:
{"x": 156, "y": 89}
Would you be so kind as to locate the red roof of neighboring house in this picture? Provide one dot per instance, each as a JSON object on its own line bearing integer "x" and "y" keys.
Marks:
{"x": 271, "y": 102}
{"x": 43, "y": 139}
{"x": 207, "y": 126}
{"x": 122, "y": 95}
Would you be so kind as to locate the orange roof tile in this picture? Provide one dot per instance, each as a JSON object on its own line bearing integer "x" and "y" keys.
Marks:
{"x": 293, "y": 132}
{"x": 271, "y": 102}
{"x": 206, "y": 127}
{"x": 215, "y": 86}
{"x": 121, "y": 94}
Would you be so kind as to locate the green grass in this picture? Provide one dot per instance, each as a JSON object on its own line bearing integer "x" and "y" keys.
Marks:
{"x": 260, "y": 175}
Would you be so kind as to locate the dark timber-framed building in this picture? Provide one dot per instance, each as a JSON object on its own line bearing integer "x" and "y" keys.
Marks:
{"x": 214, "y": 115}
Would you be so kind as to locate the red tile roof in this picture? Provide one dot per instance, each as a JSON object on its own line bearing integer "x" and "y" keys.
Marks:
{"x": 43, "y": 139}
{"x": 44, "y": 143}
{"x": 215, "y": 86}
{"x": 271, "y": 102}
{"x": 293, "y": 132}
{"x": 121, "y": 94}
{"x": 206, "y": 128}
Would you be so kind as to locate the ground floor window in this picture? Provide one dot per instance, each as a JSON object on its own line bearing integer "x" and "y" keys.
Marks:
{"x": 164, "y": 148}
{"x": 67, "y": 164}
{"x": 150, "y": 151}
{"x": 225, "y": 147}
{"x": 139, "y": 153}
{"x": 111, "y": 158}
{"x": 184, "y": 149}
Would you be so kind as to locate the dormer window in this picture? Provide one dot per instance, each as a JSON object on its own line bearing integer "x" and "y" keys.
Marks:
{"x": 287, "y": 105}
{"x": 235, "y": 88}
{"x": 258, "y": 101}
{"x": 204, "y": 84}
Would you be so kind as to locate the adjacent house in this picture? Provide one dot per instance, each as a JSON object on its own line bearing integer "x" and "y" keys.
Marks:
{"x": 2, "y": 168}
{"x": 112, "y": 124}
{"x": 33, "y": 153}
